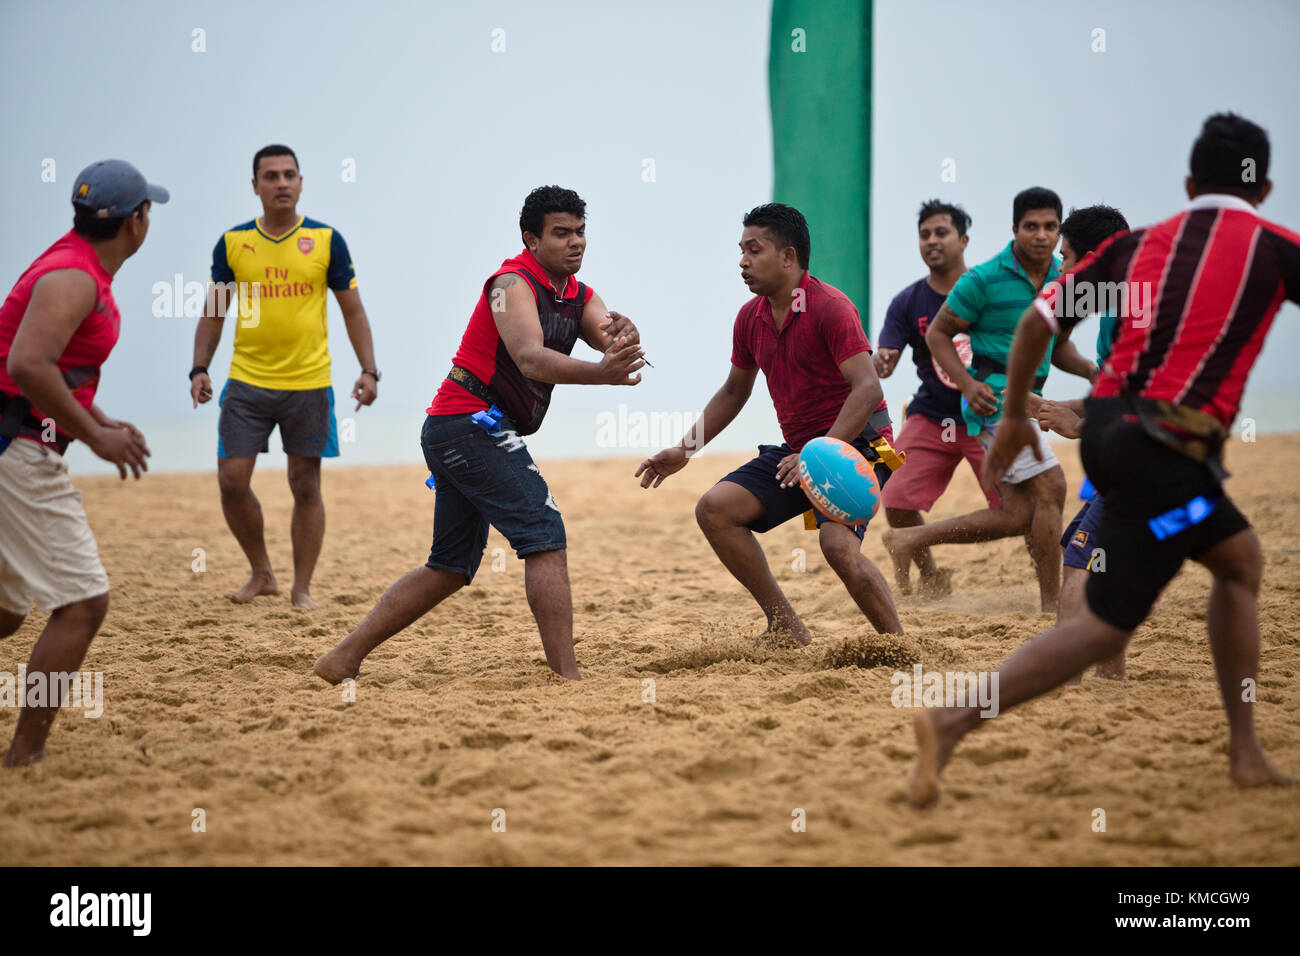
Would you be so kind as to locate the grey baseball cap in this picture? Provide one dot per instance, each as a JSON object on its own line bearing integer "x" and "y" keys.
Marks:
{"x": 112, "y": 188}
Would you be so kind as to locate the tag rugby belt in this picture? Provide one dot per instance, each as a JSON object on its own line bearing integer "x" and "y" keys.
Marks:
{"x": 1193, "y": 434}
{"x": 16, "y": 417}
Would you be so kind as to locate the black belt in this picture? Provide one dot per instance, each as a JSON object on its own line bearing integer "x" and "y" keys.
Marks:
{"x": 16, "y": 419}
{"x": 1193, "y": 434}
{"x": 476, "y": 387}
{"x": 982, "y": 367}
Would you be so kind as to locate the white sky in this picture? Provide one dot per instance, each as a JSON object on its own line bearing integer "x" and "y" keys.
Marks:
{"x": 448, "y": 137}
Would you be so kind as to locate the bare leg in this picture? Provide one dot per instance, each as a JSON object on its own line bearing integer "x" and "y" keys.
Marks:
{"x": 546, "y": 580}
{"x": 1074, "y": 582}
{"x": 935, "y": 581}
{"x": 1234, "y": 637}
{"x": 244, "y": 517}
{"x": 1039, "y": 666}
{"x": 1044, "y": 534}
{"x": 308, "y": 527}
{"x": 61, "y": 648}
{"x": 723, "y": 514}
{"x": 10, "y": 622}
{"x": 410, "y": 598}
{"x": 989, "y": 524}
{"x": 863, "y": 579}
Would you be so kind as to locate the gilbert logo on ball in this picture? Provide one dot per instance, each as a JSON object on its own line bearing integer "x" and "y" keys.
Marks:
{"x": 839, "y": 482}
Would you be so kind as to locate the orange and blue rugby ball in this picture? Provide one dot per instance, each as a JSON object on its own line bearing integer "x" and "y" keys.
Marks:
{"x": 840, "y": 483}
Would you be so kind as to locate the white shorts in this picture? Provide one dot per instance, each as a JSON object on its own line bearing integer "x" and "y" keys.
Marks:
{"x": 48, "y": 556}
{"x": 1025, "y": 466}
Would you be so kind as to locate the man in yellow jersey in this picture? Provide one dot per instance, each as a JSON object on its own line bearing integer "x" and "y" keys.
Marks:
{"x": 278, "y": 266}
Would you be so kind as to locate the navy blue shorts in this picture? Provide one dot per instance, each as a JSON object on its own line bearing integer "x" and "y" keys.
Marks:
{"x": 758, "y": 477}
{"x": 1080, "y": 538}
{"x": 482, "y": 480}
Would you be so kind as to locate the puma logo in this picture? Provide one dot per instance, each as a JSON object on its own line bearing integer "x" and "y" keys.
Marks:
{"x": 248, "y": 247}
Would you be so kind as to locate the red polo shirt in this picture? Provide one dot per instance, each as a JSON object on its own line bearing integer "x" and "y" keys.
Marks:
{"x": 801, "y": 362}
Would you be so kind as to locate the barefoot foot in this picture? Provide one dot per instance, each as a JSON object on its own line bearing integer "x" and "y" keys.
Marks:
{"x": 1256, "y": 771}
{"x": 933, "y": 748}
{"x": 22, "y": 760}
{"x": 936, "y": 584}
{"x": 261, "y": 582}
{"x": 784, "y": 635}
{"x": 335, "y": 667}
{"x": 303, "y": 601}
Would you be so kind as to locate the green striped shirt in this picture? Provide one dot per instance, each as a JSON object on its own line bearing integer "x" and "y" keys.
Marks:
{"x": 991, "y": 297}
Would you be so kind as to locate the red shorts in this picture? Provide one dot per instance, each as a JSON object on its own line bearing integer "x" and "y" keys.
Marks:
{"x": 930, "y": 463}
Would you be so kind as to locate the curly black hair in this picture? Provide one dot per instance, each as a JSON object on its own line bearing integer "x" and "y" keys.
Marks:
{"x": 547, "y": 199}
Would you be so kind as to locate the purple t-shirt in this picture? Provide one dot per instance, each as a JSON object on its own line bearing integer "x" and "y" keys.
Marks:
{"x": 906, "y": 322}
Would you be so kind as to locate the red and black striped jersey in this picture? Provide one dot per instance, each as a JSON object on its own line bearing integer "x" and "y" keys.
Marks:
{"x": 1195, "y": 295}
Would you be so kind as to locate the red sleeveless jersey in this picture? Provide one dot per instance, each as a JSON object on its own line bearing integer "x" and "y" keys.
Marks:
{"x": 94, "y": 339}
{"x": 481, "y": 349}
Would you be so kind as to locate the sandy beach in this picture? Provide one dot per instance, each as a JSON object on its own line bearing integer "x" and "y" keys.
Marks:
{"x": 457, "y": 722}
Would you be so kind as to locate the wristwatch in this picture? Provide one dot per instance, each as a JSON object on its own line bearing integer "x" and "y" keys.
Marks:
{"x": 374, "y": 372}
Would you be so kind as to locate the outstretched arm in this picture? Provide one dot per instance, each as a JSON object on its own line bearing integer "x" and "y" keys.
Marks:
{"x": 1068, "y": 358}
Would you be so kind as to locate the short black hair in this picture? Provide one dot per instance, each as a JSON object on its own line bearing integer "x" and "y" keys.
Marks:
{"x": 275, "y": 149}
{"x": 937, "y": 207}
{"x": 1228, "y": 147}
{"x": 787, "y": 226}
{"x": 1035, "y": 197}
{"x": 1089, "y": 227}
{"x": 96, "y": 229}
{"x": 548, "y": 199}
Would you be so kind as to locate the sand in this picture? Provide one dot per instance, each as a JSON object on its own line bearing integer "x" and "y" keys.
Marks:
{"x": 458, "y": 724}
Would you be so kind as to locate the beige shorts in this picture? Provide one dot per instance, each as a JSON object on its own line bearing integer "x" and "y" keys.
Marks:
{"x": 48, "y": 556}
{"x": 1025, "y": 466}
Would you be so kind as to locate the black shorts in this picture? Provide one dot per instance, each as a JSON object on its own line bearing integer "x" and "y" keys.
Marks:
{"x": 1142, "y": 479}
{"x": 758, "y": 477}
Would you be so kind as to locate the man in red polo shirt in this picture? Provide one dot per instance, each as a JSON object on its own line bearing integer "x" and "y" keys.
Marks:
{"x": 807, "y": 338}
{"x": 57, "y": 327}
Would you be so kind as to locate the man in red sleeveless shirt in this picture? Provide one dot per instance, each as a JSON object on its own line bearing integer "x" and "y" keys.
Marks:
{"x": 807, "y": 338}
{"x": 1212, "y": 278}
{"x": 515, "y": 350}
{"x": 57, "y": 327}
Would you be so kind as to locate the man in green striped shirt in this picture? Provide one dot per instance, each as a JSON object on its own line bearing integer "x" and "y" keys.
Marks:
{"x": 987, "y": 303}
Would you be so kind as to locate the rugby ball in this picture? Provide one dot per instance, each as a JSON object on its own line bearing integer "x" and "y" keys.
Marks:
{"x": 840, "y": 483}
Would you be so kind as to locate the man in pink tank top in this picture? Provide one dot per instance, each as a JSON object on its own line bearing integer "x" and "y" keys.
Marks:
{"x": 57, "y": 327}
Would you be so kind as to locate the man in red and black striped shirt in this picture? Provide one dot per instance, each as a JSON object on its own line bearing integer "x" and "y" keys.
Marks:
{"x": 1197, "y": 294}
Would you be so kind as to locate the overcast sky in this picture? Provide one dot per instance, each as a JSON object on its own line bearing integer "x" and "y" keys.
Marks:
{"x": 656, "y": 113}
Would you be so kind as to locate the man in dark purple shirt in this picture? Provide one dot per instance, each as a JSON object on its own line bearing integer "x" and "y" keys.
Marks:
{"x": 932, "y": 434}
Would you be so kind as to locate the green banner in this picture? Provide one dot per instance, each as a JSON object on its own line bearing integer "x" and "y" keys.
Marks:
{"x": 819, "y": 76}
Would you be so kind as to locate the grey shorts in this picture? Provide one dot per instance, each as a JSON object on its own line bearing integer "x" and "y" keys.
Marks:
{"x": 249, "y": 413}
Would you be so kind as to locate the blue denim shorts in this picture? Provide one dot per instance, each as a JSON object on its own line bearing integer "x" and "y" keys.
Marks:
{"x": 483, "y": 480}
